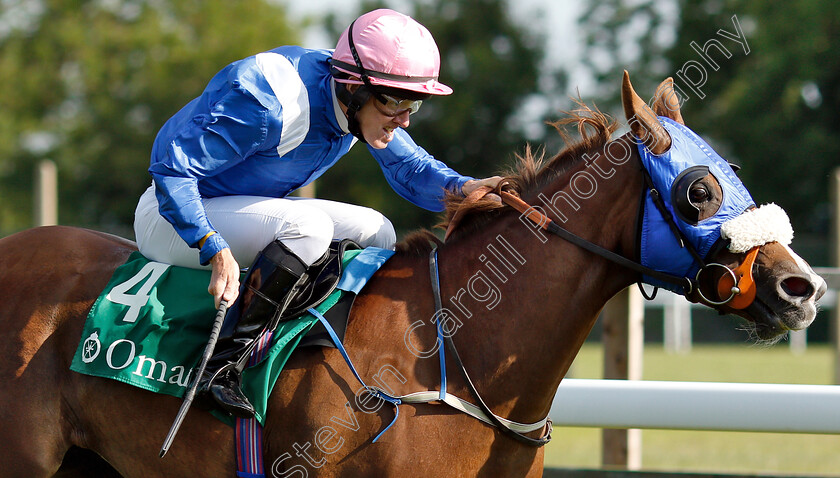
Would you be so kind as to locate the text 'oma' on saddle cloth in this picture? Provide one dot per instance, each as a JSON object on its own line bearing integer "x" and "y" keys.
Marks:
{"x": 149, "y": 327}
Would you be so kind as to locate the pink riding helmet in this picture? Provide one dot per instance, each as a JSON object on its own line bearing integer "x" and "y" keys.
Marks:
{"x": 394, "y": 50}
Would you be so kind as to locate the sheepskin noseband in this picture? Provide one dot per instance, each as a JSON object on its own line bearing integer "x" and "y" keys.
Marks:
{"x": 756, "y": 227}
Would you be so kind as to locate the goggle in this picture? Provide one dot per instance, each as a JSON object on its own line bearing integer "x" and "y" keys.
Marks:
{"x": 395, "y": 106}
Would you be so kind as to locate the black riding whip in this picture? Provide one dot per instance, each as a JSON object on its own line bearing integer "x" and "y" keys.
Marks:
{"x": 190, "y": 395}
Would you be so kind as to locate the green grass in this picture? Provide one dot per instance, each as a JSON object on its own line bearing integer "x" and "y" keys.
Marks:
{"x": 713, "y": 452}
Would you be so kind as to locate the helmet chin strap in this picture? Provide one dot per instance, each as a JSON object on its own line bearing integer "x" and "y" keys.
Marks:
{"x": 357, "y": 99}
{"x": 354, "y": 102}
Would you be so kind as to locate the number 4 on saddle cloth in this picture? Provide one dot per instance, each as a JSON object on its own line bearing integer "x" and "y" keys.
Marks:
{"x": 150, "y": 325}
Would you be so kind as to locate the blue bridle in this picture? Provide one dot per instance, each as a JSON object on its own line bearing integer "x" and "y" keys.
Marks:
{"x": 660, "y": 246}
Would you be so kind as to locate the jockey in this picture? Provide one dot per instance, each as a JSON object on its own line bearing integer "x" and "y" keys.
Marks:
{"x": 223, "y": 166}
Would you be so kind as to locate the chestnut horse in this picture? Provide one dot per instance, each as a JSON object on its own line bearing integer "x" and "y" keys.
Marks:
{"x": 518, "y": 303}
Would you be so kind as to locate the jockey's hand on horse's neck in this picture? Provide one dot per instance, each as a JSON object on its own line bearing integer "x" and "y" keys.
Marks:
{"x": 474, "y": 184}
{"x": 224, "y": 282}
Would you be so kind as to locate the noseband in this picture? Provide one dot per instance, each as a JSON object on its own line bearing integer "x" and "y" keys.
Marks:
{"x": 738, "y": 283}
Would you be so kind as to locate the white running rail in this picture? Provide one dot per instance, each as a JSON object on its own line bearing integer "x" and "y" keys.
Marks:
{"x": 697, "y": 406}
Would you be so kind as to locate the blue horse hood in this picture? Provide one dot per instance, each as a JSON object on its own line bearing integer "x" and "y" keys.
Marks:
{"x": 659, "y": 249}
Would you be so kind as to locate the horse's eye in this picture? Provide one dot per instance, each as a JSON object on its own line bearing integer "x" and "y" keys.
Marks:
{"x": 693, "y": 194}
{"x": 698, "y": 193}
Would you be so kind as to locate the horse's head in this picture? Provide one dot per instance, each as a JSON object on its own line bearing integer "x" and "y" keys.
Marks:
{"x": 699, "y": 221}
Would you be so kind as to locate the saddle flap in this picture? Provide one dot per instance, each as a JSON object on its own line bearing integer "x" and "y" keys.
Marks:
{"x": 322, "y": 279}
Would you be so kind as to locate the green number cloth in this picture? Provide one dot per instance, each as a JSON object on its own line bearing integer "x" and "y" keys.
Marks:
{"x": 150, "y": 325}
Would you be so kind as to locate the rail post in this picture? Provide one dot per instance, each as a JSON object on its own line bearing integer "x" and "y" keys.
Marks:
{"x": 623, "y": 341}
{"x": 307, "y": 191}
{"x": 835, "y": 261}
{"x": 46, "y": 194}
{"x": 677, "y": 324}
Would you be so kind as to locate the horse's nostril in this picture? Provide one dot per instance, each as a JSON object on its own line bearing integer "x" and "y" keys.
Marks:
{"x": 797, "y": 287}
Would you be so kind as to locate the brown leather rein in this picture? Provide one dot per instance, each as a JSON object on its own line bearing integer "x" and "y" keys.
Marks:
{"x": 738, "y": 285}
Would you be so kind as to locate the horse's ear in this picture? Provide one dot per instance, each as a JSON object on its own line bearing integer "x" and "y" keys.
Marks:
{"x": 666, "y": 102}
{"x": 642, "y": 120}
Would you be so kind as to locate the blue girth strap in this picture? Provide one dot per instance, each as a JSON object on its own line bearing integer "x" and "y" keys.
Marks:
{"x": 492, "y": 418}
{"x": 376, "y": 392}
{"x": 433, "y": 269}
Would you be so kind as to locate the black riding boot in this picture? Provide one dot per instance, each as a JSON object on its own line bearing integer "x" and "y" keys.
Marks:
{"x": 269, "y": 286}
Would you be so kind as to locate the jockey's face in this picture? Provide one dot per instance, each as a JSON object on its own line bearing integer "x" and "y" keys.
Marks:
{"x": 378, "y": 124}
{"x": 378, "y": 121}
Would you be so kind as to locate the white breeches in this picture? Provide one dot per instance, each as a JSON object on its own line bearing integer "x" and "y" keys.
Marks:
{"x": 249, "y": 223}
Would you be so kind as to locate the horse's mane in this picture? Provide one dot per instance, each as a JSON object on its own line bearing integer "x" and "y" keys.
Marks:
{"x": 530, "y": 173}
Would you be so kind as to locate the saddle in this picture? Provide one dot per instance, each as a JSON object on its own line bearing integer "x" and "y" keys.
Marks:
{"x": 150, "y": 322}
{"x": 322, "y": 279}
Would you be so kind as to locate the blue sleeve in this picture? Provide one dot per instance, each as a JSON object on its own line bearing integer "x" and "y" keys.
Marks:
{"x": 208, "y": 144}
{"x": 415, "y": 174}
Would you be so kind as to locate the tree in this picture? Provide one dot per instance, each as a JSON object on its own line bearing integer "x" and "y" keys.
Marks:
{"x": 776, "y": 109}
{"x": 769, "y": 103}
{"x": 88, "y": 84}
{"x": 100, "y": 78}
{"x": 625, "y": 35}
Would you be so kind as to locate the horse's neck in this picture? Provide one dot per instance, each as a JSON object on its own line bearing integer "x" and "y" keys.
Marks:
{"x": 528, "y": 300}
